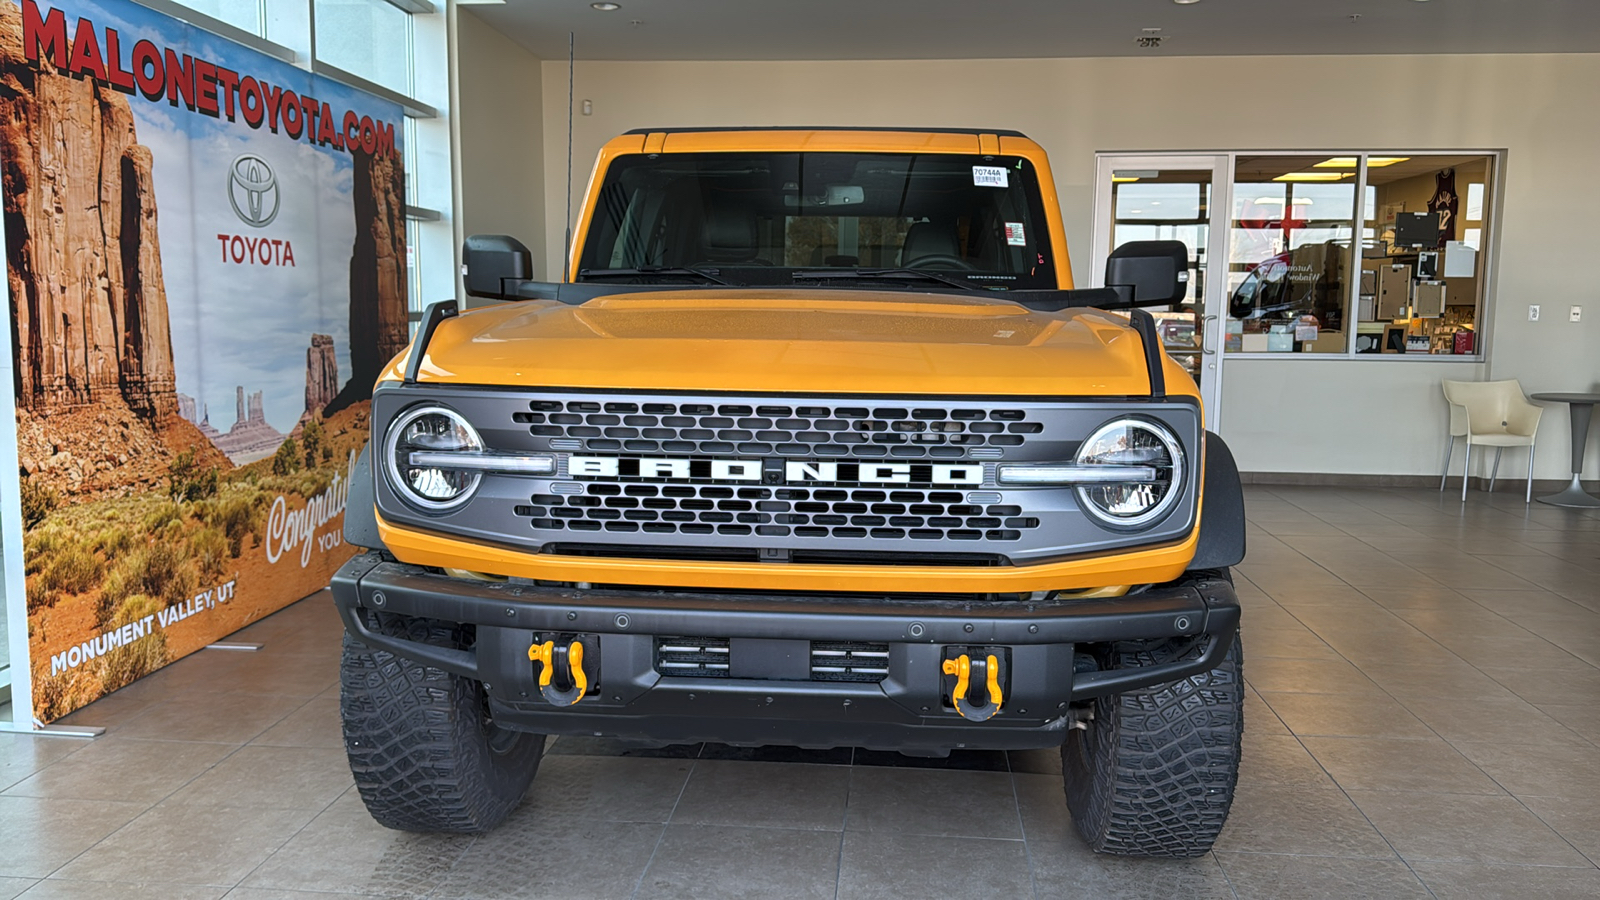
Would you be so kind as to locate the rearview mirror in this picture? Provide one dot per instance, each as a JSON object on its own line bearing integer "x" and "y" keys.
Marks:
{"x": 1149, "y": 273}
{"x": 488, "y": 261}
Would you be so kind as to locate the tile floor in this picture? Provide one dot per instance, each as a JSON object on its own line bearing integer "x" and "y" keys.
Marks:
{"x": 1423, "y": 721}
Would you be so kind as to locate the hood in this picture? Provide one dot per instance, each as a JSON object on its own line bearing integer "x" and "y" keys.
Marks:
{"x": 800, "y": 341}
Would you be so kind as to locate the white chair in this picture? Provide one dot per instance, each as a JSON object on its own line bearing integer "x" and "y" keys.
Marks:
{"x": 1490, "y": 414}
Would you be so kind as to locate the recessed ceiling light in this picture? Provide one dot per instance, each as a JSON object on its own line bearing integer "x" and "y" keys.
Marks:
{"x": 1349, "y": 162}
{"x": 1185, "y": 2}
{"x": 606, "y": 7}
{"x": 1313, "y": 176}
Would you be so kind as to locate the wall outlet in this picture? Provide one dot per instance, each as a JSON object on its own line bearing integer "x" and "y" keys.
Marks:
{"x": 1575, "y": 314}
{"x": 1533, "y": 312}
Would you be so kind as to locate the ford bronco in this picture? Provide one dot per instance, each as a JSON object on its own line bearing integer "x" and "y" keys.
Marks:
{"x": 817, "y": 446}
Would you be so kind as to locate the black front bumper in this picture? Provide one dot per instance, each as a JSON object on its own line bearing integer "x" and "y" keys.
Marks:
{"x": 908, "y": 710}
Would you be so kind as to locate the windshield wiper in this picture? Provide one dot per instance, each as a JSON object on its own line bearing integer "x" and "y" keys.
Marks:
{"x": 712, "y": 275}
{"x": 890, "y": 274}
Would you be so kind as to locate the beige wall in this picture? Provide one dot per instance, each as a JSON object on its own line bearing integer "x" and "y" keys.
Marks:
{"x": 1285, "y": 415}
{"x": 500, "y": 148}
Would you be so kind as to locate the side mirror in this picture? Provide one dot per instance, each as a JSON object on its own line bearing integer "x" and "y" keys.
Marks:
{"x": 1149, "y": 273}
{"x": 488, "y": 261}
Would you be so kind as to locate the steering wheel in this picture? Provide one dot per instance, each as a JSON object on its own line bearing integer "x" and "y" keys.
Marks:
{"x": 945, "y": 259}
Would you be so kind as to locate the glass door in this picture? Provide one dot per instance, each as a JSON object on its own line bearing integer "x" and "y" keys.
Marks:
{"x": 1173, "y": 198}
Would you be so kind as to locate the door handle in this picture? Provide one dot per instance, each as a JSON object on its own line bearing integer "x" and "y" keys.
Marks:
{"x": 1205, "y": 341}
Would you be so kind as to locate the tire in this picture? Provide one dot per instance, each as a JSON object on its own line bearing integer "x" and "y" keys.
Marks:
{"x": 424, "y": 753}
{"x": 1155, "y": 771}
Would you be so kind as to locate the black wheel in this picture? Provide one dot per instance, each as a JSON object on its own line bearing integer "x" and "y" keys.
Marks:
{"x": 1154, "y": 773}
{"x": 425, "y": 754}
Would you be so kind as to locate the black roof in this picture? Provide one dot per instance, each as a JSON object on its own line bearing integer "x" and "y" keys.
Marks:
{"x": 995, "y": 131}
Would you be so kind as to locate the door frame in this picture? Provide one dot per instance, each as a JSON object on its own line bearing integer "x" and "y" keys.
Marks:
{"x": 1213, "y": 316}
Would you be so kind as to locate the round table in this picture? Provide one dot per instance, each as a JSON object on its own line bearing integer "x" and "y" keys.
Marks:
{"x": 1582, "y": 406}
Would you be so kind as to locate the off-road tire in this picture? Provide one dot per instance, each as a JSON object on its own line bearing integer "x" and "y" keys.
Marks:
{"x": 424, "y": 753}
{"x": 1155, "y": 771}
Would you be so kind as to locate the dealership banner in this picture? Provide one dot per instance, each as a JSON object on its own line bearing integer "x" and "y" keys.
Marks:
{"x": 205, "y": 257}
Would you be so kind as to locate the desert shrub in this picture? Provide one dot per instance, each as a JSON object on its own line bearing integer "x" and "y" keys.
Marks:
{"x": 313, "y": 440}
{"x": 40, "y": 545}
{"x": 113, "y": 541}
{"x": 238, "y": 513}
{"x": 209, "y": 549}
{"x": 187, "y": 481}
{"x": 131, "y": 662}
{"x": 287, "y": 459}
{"x": 113, "y": 591}
{"x": 72, "y": 569}
{"x": 160, "y": 571}
{"x": 305, "y": 483}
{"x": 38, "y": 501}
{"x": 39, "y": 596}
{"x": 162, "y": 516}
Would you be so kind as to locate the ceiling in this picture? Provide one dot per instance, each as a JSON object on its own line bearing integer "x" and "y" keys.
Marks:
{"x": 997, "y": 29}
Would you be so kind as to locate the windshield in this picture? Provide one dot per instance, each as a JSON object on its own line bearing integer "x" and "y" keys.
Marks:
{"x": 838, "y": 219}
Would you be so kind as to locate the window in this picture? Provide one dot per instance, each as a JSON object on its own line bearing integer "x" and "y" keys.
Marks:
{"x": 1303, "y": 279}
{"x": 774, "y": 218}
{"x": 241, "y": 14}
{"x": 370, "y": 39}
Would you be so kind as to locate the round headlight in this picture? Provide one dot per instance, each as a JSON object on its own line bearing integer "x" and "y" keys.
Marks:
{"x": 1132, "y": 442}
{"x": 431, "y": 428}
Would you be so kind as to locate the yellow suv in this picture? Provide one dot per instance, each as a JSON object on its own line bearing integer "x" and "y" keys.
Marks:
{"x": 817, "y": 446}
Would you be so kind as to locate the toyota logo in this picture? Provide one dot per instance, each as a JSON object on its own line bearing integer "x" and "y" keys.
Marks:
{"x": 253, "y": 190}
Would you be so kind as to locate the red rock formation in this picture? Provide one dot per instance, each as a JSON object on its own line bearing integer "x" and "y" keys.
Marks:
{"x": 84, "y": 262}
{"x": 378, "y": 325}
{"x": 322, "y": 374}
{"x": 250, "y": 438}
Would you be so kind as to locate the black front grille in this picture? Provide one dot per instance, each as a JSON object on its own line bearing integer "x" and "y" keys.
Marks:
{"x": 849, "y": 661}
{"x": 825, "y": 430}
{"x": 708, "y": 657}
{"x": 692, "y": 657}
{"x": 849, "y": 513}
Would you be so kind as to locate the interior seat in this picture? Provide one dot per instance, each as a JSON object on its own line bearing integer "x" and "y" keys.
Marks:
{"x": 729, "y": 236}
{"x": 927, "y": 239}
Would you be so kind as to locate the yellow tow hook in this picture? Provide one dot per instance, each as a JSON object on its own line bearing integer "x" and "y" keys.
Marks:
{"x": 989, "y": 674}
{"x": 550, "y": 657}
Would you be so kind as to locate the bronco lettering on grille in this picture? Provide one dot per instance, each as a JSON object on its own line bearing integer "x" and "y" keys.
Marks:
{"x": 795, "y": 472}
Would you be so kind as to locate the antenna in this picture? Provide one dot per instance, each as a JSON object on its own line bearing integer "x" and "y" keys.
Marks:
{"x": 566, "y": 253}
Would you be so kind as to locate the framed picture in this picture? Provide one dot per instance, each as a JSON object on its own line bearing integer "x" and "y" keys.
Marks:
{"x": 1394, "y": 338}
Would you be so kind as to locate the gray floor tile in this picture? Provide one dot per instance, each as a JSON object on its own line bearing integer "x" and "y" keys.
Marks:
{"x": 11, "y": 887}
{"x": 43, "y": 834}
{"x": 55, "y": 889}
{"x": 608, "y": 788}
{"x": 1380, "y": 764}
{"x": 116, "y": 768}
{"x": 925, "y": 801}
{"x": 1540, "y": 770}
{"x": 708, "y": 862}
{"x": 344, "y": 850}
{"x": 1307, "y": 676}
{"x": 883, "y": 865}
{"x": 1464, "y": 827}
{"x": 1346, "y": 715}
{"x": 244, "y": 893}
{"x": 316, "y": 724}
{"x": 529, "y": 857}
{"x": 1280, "y": 759}
{"x": 282, "y": 777}
{"x": 1577, "y": 820}
{"x": 1453, "y": 881}
{"x": 21, "y": 755}
{"x": 777, "y": 795}
{"x": 1276, "y": 819}
{"x": 201, "y": 844}
{"x": 221, "y": 718}
{"x": 1497, "y": 721}
{"x": 1266, "y": 876}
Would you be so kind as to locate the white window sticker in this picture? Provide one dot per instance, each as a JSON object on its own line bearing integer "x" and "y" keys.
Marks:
{"x": 989, "y": 176}
{"x": 1015, "y": 235}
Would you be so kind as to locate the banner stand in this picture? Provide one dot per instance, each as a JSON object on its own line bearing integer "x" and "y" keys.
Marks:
{"x": 15, "y": 611}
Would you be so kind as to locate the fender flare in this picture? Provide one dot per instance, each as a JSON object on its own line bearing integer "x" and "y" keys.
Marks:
{"x": 1222, "y": 531}
{"x": 360, "y": 510}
